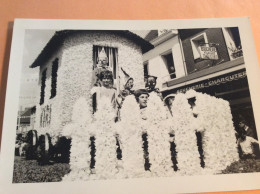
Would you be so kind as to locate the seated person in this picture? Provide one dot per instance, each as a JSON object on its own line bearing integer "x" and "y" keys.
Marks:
{"x": 248, "y": 130}
{"x": 246, "y": 145}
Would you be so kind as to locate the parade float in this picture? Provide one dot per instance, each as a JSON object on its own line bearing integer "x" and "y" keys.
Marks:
{"x": 195, "y": 137}
{"x": 172, "y": 140}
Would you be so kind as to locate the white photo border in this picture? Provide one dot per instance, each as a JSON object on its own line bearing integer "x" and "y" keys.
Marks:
{"x": 184, "y": 184}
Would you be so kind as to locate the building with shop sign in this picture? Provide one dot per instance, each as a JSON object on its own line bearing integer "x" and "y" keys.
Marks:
{"x": 206, "y": 60}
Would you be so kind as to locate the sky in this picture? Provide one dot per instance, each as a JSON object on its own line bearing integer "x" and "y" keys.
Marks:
{"x": 34, "y": 42}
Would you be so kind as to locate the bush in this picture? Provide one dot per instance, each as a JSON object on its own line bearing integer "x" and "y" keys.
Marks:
{"x": 243, "y": 166}
{"x": 28, "y": 171}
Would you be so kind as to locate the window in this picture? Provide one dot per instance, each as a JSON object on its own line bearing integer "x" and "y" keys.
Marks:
{"x": 234, "y": 34}
{"x": 104, "y": 58}
{"x": 196, "y": 42}
{"x": 146, "y": 69}
{"x": 55, "y": 66}
{"x": 110, "y": 53}
{"x": 168, "y": 60}
{"x": 233, "y": 42}
{"x": 43, "y": 84}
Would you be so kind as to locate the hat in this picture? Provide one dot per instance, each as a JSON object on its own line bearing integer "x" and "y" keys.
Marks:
{"x": 102, "y": 55}
{"x": 139, "y": 92}
{"x": 169, "y": 96}
{"x": 127, "y": 76}
{"x": 152, "y": 77}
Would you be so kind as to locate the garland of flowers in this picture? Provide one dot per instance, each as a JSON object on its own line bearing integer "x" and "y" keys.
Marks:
{"x": 130, "y": 134}
{"x": 218, "y": 133}
{"x": 158, "y": 129}
{"x": 213, "y": 123}
{"x": 80, "y": 146}
{"x": 185, "y": 138}
{"x": 102, "y": 130}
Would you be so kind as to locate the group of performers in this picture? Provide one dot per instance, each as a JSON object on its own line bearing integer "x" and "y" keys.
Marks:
{"x": 103, "y": 86}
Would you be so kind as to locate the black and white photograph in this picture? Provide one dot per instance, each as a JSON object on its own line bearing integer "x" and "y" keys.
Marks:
{"x": 128, "y": 104}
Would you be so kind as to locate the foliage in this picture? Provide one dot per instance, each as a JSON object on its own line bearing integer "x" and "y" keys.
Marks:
{"x": 243, "y": 166}
{"x": 28, "y": 171}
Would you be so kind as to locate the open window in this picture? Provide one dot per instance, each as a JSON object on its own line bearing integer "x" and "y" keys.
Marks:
{"x": 196, "y": 42}
{"x": 112, "y": 57}
{"x": 233, "y": 42}
{"x": 169, "y": 63}
{"x": 105, "y": 61}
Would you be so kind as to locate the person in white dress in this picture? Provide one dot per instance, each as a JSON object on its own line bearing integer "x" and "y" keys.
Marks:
{"x": 246, "y": 144}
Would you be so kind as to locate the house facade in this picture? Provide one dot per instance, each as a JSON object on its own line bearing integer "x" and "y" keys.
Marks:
{"x": 209, "y": 61}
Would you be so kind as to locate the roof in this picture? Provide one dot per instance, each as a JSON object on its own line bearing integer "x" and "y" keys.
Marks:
{"x": 25, "y": 115}
{"x": 58, "y": 38}
{"x": 151, "y": 35}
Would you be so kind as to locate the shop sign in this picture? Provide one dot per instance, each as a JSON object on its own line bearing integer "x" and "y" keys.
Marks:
{"x": 213, "y": 82}
{"x": 208, "y": 52}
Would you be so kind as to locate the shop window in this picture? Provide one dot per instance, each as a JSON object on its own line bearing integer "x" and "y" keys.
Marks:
{"x": 43, "y": 85}
{"x": 55, "y": 65}
{"x": 168, "y": 60}
{"x": 196, "y": 42}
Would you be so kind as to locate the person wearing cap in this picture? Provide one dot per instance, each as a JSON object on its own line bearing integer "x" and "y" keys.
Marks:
{"x": 150, "y": 85}
{"x": 141, "y": 96}
{"x": 129, "y": 83}
{"x": 168, "y": 100}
